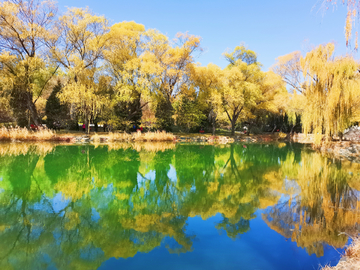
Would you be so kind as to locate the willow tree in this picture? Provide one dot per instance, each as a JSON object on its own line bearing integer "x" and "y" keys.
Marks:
{"x": 168, "y": 67}
{"x": 127, "y": 43}
{"x": 208, "y": 81}
{"x": 351, "y": 16}
{"x": 24, "y": 28}
{"x": 332, "y": 92}
{"x": 78, "y": 43}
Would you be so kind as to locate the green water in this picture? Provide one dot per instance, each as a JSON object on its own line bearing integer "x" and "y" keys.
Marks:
{"x": 168, "y": 206}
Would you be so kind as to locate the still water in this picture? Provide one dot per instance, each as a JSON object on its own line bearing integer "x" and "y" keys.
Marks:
{"x": 174, "y": 206}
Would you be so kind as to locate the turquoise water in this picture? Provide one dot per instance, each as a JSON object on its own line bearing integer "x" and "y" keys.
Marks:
{"x": 174, "y": 206}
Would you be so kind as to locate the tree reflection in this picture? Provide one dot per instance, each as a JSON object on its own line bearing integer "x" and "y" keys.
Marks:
{"x": 324, "y": 210}
{"x": 74, "y": 207}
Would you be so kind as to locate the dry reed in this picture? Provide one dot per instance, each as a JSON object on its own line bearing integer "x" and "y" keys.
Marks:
{"x": 350, "y": 260}
{"x": 118, "y": 137}
{"x": 43, "y": 134}
{"x": 23, "y": 134}
{"x": 157, "y": 136}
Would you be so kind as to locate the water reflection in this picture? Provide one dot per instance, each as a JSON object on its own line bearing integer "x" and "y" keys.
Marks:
{"x": 74, "y": 207}
{"x": 325, "y": 207}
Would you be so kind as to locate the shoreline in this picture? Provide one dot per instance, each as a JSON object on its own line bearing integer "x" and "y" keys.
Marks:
{"x": 350, "y": 260}
{"x": 349, "y": 150}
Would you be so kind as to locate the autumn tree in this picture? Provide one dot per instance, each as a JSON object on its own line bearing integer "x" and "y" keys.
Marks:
{"x": 169, "y": 67}
{"x": 208, "y": 82}
{"x": 272, "y": 101}
{"x": 127, "y": 43}
{"x": 25, "y": 72}
{"x": 5, "y": 109}
{"x": 241, "y": 53}
{"x": 351, "y": 17}
{"x": 77, "y": 43}
{"x": 332, "y": 92}
{"x": 241, "y": 87}
{"x": 247, "y": 90}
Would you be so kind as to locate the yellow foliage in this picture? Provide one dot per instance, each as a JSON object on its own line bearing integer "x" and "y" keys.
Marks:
{"x": 24, "y": 28}
{"x": 331, "y": 92}
{"x": 317, "y": 179}
{"x": 78, "y": 44}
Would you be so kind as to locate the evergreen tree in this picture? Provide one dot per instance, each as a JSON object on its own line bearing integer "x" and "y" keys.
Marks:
{"x": 163, "y": 113}
{"x": 19, "y": 107}
{"x": 56, "y": 113}
{"x": 129, "y": 112}
{"x": 189, "y": 115}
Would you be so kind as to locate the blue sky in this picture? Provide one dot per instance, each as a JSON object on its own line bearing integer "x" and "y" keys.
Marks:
{"x": 270, "y": 28}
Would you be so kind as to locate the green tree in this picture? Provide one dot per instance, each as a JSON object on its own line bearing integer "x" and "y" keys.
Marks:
{"x": 54, "y": 110}
{"x": 164, "y": 114}
{"x": 189, "y": 112}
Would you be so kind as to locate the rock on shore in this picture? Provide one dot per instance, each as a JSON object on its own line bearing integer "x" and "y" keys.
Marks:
{"x": 352, "y": 134}
{"x": 343, "y": 150}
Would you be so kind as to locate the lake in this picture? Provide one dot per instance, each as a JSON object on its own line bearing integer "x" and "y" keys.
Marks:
{"x": 174, "y": 206}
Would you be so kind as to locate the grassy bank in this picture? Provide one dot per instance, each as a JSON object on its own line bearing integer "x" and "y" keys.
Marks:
{"x": 350, "y": 260}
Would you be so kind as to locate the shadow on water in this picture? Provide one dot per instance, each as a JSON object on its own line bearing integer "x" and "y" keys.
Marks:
{"x": 77, "y": 206}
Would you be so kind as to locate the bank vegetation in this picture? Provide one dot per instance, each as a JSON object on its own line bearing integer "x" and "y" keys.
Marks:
{"x": 350, "y": 260}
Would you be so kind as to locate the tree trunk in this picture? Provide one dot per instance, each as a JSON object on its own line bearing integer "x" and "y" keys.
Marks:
{"x": 212, "y": 118}
{"x": 213, "y": 126}
{"x": 273, "y": 129}
{"x": 234, "y": 118}
{"x": 87, "y": 124}
{"x": 233, "y": 127}
{"x": 33, "y": 112}
{"x": 292, "y": 130}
